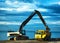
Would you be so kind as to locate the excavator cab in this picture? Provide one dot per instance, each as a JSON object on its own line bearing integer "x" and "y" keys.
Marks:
{"x": 40, "y": 34}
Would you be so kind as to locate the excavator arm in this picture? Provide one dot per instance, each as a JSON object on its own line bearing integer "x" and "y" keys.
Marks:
{"x": 30, "y": 17}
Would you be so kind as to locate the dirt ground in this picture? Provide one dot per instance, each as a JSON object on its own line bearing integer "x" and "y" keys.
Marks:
{"x": 29, "y": 41}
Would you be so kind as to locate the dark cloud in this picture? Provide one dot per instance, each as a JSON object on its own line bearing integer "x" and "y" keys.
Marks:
{"x": 55, "y": 8}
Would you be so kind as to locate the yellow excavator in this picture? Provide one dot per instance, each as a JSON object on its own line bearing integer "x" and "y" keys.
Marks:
{"x": 39, "y": 34}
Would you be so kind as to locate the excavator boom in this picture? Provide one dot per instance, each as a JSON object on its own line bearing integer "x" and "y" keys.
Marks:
{"x": 30, "y": 17}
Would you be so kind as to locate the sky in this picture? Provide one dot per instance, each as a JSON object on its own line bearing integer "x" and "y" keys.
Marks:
{"x": 14, "y": 12}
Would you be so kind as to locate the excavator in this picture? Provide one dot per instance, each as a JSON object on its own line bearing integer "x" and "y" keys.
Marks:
{"x": 39, "y": 34}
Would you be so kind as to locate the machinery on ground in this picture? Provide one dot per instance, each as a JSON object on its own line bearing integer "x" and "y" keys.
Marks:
{"x": 40, "y": 34}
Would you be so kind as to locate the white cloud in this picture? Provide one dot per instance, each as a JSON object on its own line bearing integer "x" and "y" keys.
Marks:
{"x": 55, "y": 3}
{"x": 18, "y": 4}
{"x": 21, "y": 6}
{"x": 8, "y": 2}
{"x": 29, "y": 23}
{"x": 56, "y": 22}
{"x": 13, "y": 4}
{"x": 46, "y": 16}
{"x": 10, "y": 23}
{"x": 16, "y": 23}
{"x": 59, "y": 3}
{"x": 23, "y": 9}
{"x": 48, "y": 22}
{"x": 34, "y": 22}
{"x": 42, "y": 9}
{"x": 7, "y": 9}
{"x": 42, "y": 16}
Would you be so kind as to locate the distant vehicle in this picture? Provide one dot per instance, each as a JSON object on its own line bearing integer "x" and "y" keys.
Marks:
{"x": 40, "y": 34}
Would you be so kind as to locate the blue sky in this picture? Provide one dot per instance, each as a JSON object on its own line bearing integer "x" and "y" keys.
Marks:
{"x": 14, "y": 12}
{"x": 14, "y": 8}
